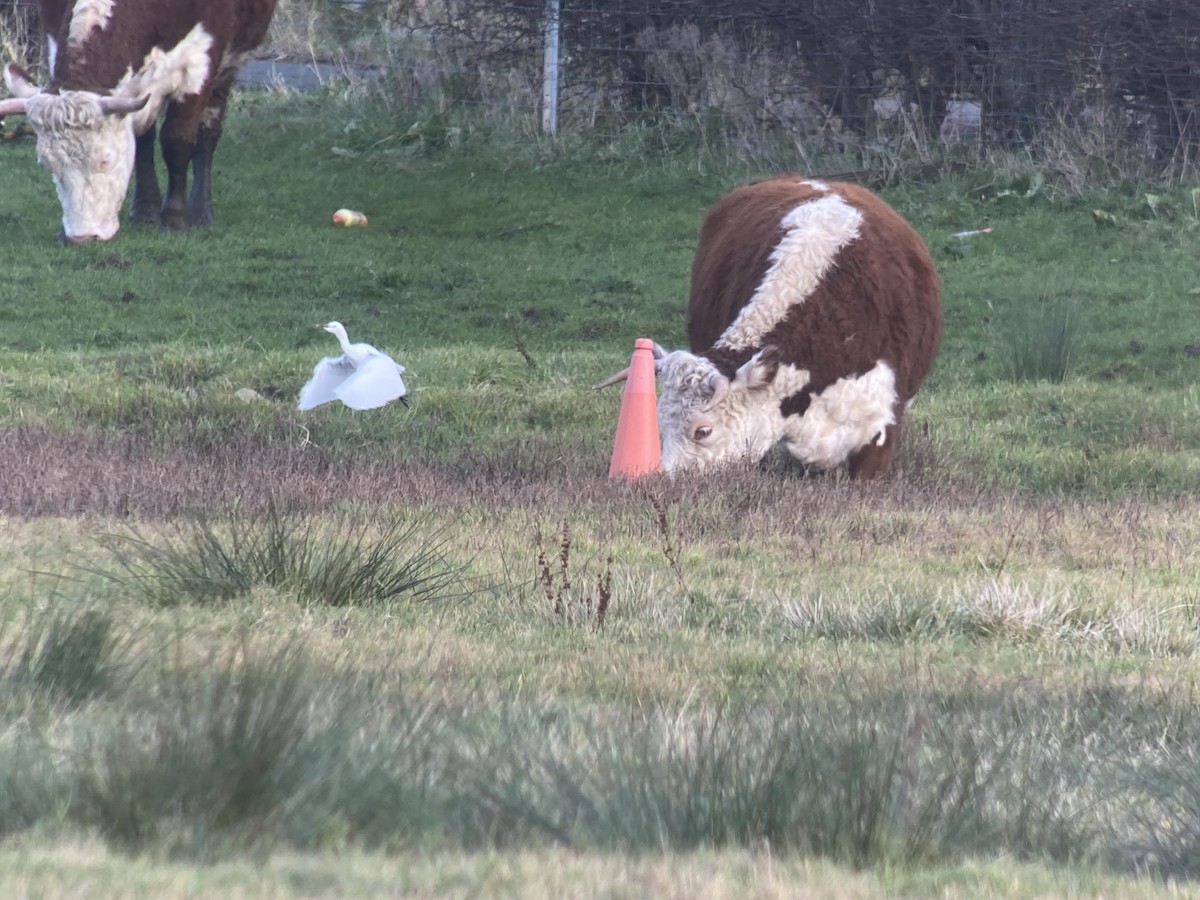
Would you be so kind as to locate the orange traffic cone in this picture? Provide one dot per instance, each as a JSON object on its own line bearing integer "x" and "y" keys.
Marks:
{"x": 636, "y": 449}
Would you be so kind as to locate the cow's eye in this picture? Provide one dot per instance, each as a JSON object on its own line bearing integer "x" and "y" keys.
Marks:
{"x": 702, "y": 433}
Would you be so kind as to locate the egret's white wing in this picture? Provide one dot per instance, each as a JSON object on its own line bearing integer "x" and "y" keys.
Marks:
{"x": 374, "y": 383}
{"x": 327, "y": 375}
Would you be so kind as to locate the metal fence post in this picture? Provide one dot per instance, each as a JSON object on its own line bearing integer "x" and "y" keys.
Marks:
{"x": 550, "y": 70}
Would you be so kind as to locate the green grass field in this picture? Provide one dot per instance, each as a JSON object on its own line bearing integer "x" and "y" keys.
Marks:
{"x": 434, "y": 651}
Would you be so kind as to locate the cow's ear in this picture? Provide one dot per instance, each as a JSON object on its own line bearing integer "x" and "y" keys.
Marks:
{"x": 759, "y": 370}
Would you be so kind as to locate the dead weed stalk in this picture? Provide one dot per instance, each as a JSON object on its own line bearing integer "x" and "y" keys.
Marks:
{"x": 670, "y": 543}
{"x": 564, "y": 603}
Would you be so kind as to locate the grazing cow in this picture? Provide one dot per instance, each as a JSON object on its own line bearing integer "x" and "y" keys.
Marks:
{"x": 813, "y": 319}
{"x": 115, "y": 65}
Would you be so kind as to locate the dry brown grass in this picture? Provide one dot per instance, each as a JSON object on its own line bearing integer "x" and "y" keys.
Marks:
{"x": 753, "y": 558}
{"x": 821, "y": 522}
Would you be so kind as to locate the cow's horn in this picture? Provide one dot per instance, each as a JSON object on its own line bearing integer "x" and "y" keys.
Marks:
{"x": 19, "y": 83}
{"x": 123, "y": 105}
{"x": 720, "y": 386}
{"x": 612, "y": 379}
{"x": 12, "y": 106}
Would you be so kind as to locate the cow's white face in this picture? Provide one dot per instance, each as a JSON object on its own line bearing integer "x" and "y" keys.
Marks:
{"x": 87, "y": 142}
{"x": 705, "y": 418}
{"x": 89, "y": 152}
{"x": 86, "y": 139}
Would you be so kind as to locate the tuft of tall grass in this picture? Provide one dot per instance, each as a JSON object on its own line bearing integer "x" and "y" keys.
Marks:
{"x": 257, "y": 748}
{"x": 342, "y": 563}
{"x": 34, "y": 788}
{"x": 239, "y": 754}
{"x": 1164, "y": 802}
{"x": 864, "y": 780}
{"x": 68, "y": 652}
{"x": 210, "y": 758}
{"x": 1042, "y": 338}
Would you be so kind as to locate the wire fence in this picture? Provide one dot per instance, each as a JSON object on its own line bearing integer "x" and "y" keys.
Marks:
{"x": 1104, "y": 86}
{"x": 1109, "y": 79}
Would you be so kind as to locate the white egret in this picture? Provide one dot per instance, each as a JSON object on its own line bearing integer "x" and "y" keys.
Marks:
{"x": 362, "y": 377}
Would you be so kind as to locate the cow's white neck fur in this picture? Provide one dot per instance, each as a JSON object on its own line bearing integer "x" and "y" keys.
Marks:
{"x": 851, "y": 413}
{"x": 169, "y": 75}
{"x": 86, "y": 15}
{"x": 847, "y": 415}
{"x": 814, "y": 232}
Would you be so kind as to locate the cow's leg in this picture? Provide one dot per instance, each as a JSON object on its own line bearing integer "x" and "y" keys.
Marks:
{"x": 200, "y": 205}
{"x": 875, "y": 459}
{"x": 178, "y": 140}
{"x": 147, "y": 198}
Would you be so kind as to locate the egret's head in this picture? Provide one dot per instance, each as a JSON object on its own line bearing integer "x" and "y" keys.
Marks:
{"x": 337, "y": 329}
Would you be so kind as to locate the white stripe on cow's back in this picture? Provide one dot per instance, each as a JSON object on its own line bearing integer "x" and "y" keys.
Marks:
{"x": 86, "y": 15}
{"x": 814, "y": 232}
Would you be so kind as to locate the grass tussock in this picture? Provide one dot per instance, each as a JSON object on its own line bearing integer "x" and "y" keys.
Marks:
{"x": 65, "y": 652}
{"x": 263, "y": 750}
{"x": 214, "y": 758}
{"x": 1042, "y": 339}
{"x": 348, "y": 562}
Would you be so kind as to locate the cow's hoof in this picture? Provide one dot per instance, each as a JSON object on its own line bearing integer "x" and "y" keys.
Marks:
{"x": 174, "y": 223}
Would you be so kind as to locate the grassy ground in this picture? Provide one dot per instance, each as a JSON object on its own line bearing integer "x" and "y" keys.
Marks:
{"x": 434, "y": 651}
{"x": 79, "y": 869}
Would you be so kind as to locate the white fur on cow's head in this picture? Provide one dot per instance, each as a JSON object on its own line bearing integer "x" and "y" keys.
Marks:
{"x": 705, "y": 418}
{"x": 87, "y": 143}
{"x": 86, "y": 139}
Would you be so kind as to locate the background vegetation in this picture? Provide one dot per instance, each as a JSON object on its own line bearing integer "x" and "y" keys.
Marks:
{"x": 1094, "y": 79}
{"x": 435, "y": 651}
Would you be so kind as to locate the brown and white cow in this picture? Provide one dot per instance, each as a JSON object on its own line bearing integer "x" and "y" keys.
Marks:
{"x": 115, "y": 65}
{"x": 813, "y": 319}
